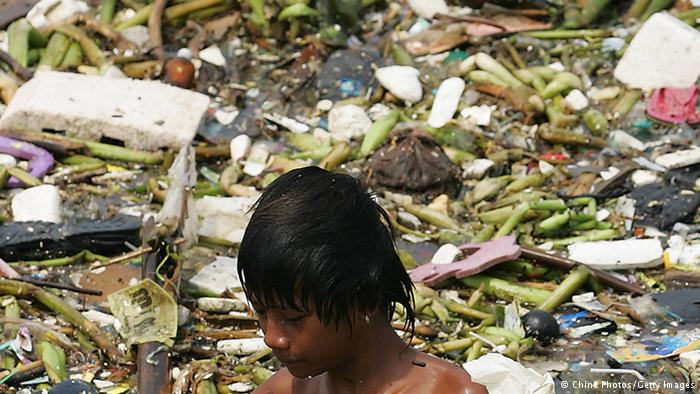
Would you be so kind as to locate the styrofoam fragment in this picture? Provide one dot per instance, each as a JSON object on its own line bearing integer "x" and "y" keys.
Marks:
{"x": 621, "y": 139}
{"x": 144, "y": 115}
{"x": 481, "y": 115}
{"x": 213, "y": 55}
{"x": 240, "y": 146}
{"x": 618, "y": 255}
{"x": 665, "y": 52}
{"x": 347, "y": 122}
{"x": 644, "y": 177}
{"x": 679, "y": 159}
{"x": 290, "y": 124}
{"x": 7, "y": 160}
{"x": 218, "y": 276}
{"x": 220, "y": 305}
{"x": 39, "y": 203}
{"x": 428, "y": 8}
{"x": 54, "y": 11}
{"x": 241, "y": 347}
{"x": 226, "y": 117}
{"x": 577, "y": 100}
{"x": 446, "y": 254}
{"x": 446, "y": 102}
{"x": 402, "y": 82}
{"x": 477, "y": 168}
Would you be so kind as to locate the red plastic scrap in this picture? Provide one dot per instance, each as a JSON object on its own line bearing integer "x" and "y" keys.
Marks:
{"x": 485, "y": 256}
{"x": 674, "y": 105}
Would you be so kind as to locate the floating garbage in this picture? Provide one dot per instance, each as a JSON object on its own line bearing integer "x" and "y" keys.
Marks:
{"x": 538, "y": 164}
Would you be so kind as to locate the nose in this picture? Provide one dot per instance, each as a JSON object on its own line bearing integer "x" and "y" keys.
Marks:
{"x": 275, "y": 336}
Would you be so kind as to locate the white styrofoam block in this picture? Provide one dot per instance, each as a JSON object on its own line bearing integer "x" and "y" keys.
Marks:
{"x": 665, "y": 52}
{"x": 644, "y": 177}
{"x": 620, "y": 138}
{"x": 446, "y": 254}
{"x": 218, "y": 276}
{"x": 241, "y": 347}
{"x": 446, "y": 102}
{"x": 39, "y": 203}
{"x": 618, "y": 255}
{"x": 679, "y": 159}
{"x": 240, "y": 147}
{"x": 577, "y": 100}
{"x": 143, "y": 114}
{"x": 347, "y": 122}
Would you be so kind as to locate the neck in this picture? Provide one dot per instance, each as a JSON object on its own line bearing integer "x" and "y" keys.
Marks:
{"x": 378, "y": 347}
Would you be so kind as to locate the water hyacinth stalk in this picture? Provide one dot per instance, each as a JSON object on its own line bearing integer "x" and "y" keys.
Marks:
{"x": 531, "y": 78}
{"x": 589, "y": 13}
{"x": 654, "y": 7}
{"x": 596, "y": 122}
{"x": 296, "y": 10}
{"x": 525, "y": 182}
{"x": 54, "y": 360}
{"x": 486, "y": 77}
{"x": 560, "y": 84}
{"x": 258, "y": 14}
{"x": 566, "y": 288}
{"x": 107, "y": 10}
{"x": 337, "y": 156}
{"x": 567, "y": 34}
{"x": 18, "y": 37}
{"x": 554, "y": 222}
{"x": 506, "y": 290}
{"x": 378, "y": 132}
{"x": 491, "y": 65}
{"x": 432, "y": 216}
{"x": 512, "y": 221}
{"x": 73, "y": 56}
{"x": 55, "y": 50}
{"x": 487, "y": 188}
{"x": 91, "y": 50}
{"x": 636, "y": 9}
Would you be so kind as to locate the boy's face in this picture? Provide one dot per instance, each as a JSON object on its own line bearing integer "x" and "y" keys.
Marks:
{"x": 303, "y": 343}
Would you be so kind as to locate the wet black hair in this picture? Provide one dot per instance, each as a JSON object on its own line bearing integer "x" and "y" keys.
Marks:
{"x": 317, "y": 236}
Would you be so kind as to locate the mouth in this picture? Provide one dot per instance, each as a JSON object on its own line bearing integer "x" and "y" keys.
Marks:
{"x": 287, "y": 361}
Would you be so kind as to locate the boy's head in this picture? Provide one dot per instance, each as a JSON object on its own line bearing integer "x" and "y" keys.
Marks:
{"x": 318, "y": 242}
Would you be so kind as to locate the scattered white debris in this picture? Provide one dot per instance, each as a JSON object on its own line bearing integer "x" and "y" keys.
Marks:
{"x": 347, "y": 122}
{"x": 46, "y": 12}
{"x": 220, "y": 305}
{"x": 324, "y": 105}
{"x": 677, "y": 159}
{"x": 501, "y": 375}
{"x": 545, "y": 168}
{"x": 665, "y": 52}
{"x": 620, "y": 139}
{"x": 680, "y": 252}
{"x": 378, "y": 111}
{"x": 7, "y": 160}
{"x": 408, "y": 219}
{"x": 402, "y": 82}
{"x": 618, "y": 255}
{"x": 103, "y": 319}
{"x": 477, "y": 168}
{"x": 644, "y": 177}
{"x": 290, "y": 124}
{"x": 428, "y": 8}
{"x": 446, "y": 254}
{"x": 39, "y": 203}
{"x": 577, "y": 100}
{"x": 225, "y": 117}
{"x": 240, "y": 147}
{"x": 481, "y": 115}
{"x": 446, "y": 102}
{"x": 217, "y": 276}
{"x": 213, "y": 55}
{"x": 241, "y": 347}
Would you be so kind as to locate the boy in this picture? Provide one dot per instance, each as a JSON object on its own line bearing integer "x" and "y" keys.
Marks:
{"x": 319, "y": 265}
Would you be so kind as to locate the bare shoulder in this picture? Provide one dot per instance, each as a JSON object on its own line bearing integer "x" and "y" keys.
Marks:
{"x": 279, "y": 383}
{"x": 451, "y": 378}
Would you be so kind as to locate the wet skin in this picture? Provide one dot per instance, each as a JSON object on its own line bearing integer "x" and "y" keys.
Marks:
{"x": 370, "y": 359}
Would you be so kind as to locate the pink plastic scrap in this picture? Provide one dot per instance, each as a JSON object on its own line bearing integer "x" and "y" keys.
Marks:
{"x": 674, "y": 105}
{"x": 485, "y": 256}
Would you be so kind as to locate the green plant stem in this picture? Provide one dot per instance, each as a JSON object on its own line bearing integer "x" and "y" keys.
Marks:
{"x": 506, "y": 290}
{"x": 566, "y": 288}
{"x": 103, "y": 339}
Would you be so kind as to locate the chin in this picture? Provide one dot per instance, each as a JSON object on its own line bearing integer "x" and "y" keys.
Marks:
{"x": 302, "y": 371}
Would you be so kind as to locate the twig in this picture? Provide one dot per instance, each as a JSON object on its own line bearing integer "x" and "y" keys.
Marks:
{"x": 154, "y": 28}
{"x": 16, "y": 67}
{"x": 44, "y": 283}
